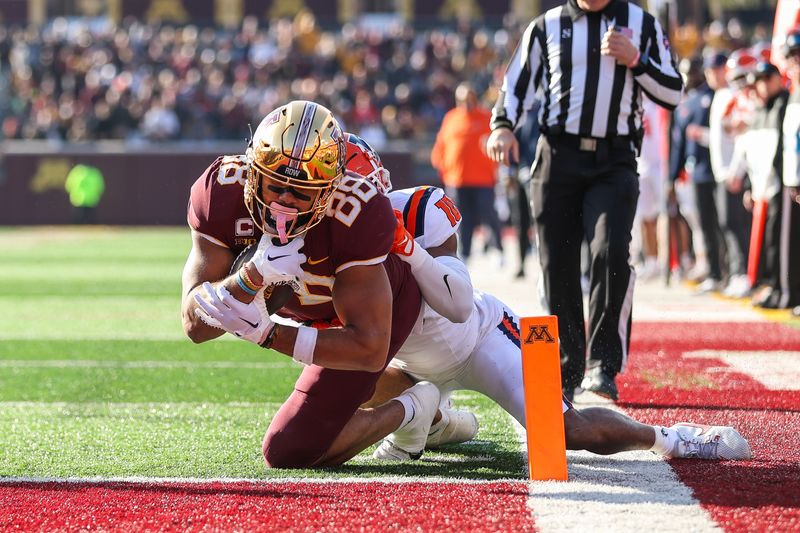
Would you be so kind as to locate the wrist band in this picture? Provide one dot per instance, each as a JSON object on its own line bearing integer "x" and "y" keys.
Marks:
{"x": 635, "y": 61}
{"x": 243, "y": 285}
{"x": 270, "y": 337}
{"x": 248, "y": 280}
{"x": 304, "y": 345}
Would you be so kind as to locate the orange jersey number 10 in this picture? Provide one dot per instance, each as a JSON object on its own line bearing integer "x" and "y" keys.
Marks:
{"x": 450, "y": 210}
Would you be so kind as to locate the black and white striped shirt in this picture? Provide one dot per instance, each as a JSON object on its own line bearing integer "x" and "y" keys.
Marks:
{"x": 582, "y": 92}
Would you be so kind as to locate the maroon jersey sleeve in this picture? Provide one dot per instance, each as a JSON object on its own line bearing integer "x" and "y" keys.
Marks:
{"x": 216, "y": 205}
{"x": 362, "y": 224}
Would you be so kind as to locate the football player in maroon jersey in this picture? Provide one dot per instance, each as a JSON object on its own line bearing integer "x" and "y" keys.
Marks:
{"x": 297, "y": 196}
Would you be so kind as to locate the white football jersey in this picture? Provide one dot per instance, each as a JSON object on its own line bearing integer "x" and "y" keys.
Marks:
{"x": 429, "y": 215}
{"x": 438, "y": 346}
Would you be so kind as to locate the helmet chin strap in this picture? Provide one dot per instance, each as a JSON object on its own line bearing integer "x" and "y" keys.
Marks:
{"x": 282, "y": 215}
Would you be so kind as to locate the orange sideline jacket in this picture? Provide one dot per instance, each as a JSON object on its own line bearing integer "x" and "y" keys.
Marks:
{"x": 459, "y": 153}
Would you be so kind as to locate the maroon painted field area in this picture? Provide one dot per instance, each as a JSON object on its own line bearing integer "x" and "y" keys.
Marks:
{"x": 273, "y": 506}
{"x": 758, "y": 495}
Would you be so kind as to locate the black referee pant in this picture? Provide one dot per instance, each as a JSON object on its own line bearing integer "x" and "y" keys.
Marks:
{"x": 586, "y": 188}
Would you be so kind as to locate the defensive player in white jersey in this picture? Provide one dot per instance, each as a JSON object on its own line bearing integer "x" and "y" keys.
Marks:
{"x": 469, "y": 340}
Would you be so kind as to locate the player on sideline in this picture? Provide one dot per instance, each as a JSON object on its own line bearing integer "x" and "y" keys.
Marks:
{"x": 482, "y": 353}
{"x": 295, "y": 191}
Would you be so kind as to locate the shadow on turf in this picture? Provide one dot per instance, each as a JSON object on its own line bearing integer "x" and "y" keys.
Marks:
{"x": 476, "y": 460}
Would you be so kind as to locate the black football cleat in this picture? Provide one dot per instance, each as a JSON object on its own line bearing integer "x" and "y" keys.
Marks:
{"x": 600, "y": 383}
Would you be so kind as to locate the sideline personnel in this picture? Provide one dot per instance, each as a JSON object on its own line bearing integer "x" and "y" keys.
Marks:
{"x": 469, "y": 176}
{"x": 591, "y": 59}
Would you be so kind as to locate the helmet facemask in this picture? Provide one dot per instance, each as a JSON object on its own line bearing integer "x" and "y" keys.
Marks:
{"x": 297, "y": 149}
{"x": 363, "y": 160}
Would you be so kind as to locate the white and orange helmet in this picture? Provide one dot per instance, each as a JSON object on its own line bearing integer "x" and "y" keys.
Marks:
{"x": 362, "y": 159}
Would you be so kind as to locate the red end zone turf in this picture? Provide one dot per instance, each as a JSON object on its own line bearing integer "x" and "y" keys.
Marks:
{"x": 758, "y": 495}
{"x": 261, "y": 506}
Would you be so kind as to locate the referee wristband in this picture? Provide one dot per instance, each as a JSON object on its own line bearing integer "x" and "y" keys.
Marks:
{"x": 304, "y": 345}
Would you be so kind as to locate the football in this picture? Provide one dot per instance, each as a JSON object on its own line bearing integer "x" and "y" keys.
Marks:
{"x": 276, "y": 295}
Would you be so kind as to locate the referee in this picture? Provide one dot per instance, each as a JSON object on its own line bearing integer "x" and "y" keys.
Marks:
{"x": 589, "y": 61}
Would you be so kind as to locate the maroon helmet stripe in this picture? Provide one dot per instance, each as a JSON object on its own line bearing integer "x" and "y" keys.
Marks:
{"x": 303, "y": 133}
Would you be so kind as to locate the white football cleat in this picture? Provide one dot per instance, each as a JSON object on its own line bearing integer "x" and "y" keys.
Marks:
{"x": 389, "y": 452}
{"x": 695, "y": 441}
{"x": 411, "y": 438}
{"x": 454, "y": 427}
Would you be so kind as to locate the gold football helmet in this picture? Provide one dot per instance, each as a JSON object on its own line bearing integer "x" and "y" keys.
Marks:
{"x": 299, "y": 146}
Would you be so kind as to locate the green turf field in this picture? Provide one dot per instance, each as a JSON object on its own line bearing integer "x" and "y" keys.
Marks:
{"x": 97, "y": 379}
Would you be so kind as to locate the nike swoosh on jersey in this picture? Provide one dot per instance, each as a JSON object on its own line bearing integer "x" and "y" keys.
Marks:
{"x": 317, "y": 261}
{"x": 269, "y": 258}
{"x": 448, "y": 285}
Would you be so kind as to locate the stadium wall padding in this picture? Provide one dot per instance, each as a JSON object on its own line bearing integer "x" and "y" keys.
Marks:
{"x": 143, "y": 186}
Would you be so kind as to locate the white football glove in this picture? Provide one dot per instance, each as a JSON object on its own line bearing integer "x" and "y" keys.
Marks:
{"x": 221, "y": 310}
{"x": 279, "y": 264}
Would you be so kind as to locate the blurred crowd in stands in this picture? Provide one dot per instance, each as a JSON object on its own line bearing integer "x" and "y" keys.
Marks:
{"x": 727, "y": 189}
{"x": 83, "y": 80}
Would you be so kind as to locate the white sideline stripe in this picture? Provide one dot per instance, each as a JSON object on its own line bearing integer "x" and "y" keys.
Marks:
{"x": 776, "y": 370}
{"x": 629, "y": 491}
{"x": 134, "y": 405}
{"x": 386, "y": 480}
{"x": 55, "y": 335}
{"x": 91, "y": 363}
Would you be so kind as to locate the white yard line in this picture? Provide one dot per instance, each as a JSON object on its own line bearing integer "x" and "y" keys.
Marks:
{"x": 621, "y": 492}
{"x": 630, "y": 491}
{"x": 263, "y": 481}
{"x": 91, "y": 363}
{"x": 131, "y": 405}
{"x": 60, "y": 335}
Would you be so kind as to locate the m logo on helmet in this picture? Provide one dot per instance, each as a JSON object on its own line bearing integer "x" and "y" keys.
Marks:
{"x": 539, "y": 334}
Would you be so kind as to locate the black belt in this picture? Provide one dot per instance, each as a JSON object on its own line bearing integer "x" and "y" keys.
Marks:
{"x": 592, "y": 144}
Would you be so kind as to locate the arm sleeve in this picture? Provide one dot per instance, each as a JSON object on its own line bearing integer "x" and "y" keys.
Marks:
{"x": 522, "y": 79}
{"x": 444, "y": 283}
{"x": 656, "y": 71}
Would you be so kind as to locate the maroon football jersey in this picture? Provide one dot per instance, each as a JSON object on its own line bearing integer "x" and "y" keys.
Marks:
{"x": 216, "y": 205}
{"x": 358, "y": 229}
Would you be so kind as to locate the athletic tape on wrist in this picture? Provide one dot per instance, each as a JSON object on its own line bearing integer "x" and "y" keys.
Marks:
{"x": 304, "y": 345}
